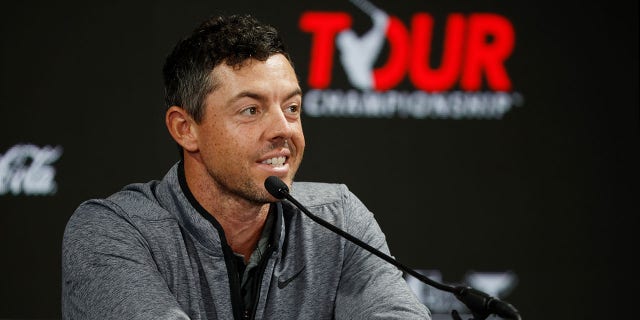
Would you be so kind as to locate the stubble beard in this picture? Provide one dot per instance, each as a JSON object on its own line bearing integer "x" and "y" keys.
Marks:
{"x": 245, "y": 189}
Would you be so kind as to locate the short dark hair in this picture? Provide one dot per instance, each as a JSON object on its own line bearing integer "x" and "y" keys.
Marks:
{"x": 229, "y": 39}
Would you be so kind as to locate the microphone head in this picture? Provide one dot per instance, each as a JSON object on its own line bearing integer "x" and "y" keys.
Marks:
{"x": 276, "y": 187}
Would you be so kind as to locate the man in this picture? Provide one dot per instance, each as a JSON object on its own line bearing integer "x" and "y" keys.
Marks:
{"x": 208, "y": 241}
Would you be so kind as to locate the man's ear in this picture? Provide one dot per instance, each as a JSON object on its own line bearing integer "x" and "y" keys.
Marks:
{"x": 181, "y": 126}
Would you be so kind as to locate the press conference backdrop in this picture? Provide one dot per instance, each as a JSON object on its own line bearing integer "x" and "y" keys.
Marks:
{"x": 496, "y": 142}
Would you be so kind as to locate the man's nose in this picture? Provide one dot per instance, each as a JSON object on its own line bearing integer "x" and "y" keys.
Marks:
{"x": 279, "y": 126}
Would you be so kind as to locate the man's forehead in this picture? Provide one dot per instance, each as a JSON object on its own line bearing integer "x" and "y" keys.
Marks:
{"x": 224, "y": 71}
{"x": 248, "y": 62}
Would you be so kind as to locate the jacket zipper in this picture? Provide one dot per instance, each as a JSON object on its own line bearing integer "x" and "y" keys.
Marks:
{"x": 261, "y": 268}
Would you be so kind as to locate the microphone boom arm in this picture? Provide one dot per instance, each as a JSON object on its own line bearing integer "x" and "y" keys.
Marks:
{"x": 367, "y": 247}
{"x": 481, "y": 304}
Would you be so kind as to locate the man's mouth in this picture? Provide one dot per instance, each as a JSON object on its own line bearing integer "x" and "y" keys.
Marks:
{"x": 275, "y": 161}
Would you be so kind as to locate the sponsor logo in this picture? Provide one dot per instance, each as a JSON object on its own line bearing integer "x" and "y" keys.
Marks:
{"x": 284, "y": 282}
{"x": 496, "y": 284}
{"x": 27, "y": 169}
{"x": 471, "y": 80}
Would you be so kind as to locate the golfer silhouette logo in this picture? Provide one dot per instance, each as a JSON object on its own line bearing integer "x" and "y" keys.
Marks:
{"x": 358, "y": 54}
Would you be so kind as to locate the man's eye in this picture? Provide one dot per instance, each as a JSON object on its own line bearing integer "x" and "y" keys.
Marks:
{"x": 293, "y": 108}
{"x": 250, "y": 111}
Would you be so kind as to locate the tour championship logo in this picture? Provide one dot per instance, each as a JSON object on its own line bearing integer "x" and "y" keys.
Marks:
{"x": 471, "y": 80}
{"x": 28, "y": 169}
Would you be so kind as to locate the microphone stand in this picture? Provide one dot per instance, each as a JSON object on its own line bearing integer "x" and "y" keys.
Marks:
{"x": 479, "y": 303}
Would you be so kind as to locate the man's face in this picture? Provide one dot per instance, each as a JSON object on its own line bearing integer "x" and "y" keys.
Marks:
{"x": 251, "y": 127}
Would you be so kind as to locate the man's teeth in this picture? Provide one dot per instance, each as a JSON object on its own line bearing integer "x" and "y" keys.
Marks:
{"x": 276, "y": 162}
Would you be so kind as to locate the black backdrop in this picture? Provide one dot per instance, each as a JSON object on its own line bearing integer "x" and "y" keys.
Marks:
{"x": 547, "y": 192}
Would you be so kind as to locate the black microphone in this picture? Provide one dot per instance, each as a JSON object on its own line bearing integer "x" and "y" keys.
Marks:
{"x": 481, "y": 304}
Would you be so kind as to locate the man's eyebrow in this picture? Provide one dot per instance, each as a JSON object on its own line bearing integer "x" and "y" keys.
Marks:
{"x": 296, "y": 92}
{"x": 258, "y": 96}
{"x": 245, "y": 94}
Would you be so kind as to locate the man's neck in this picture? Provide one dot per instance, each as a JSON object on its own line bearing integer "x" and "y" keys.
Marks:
{"x": 242, "y": 233}
{"x": 241, "y": 220}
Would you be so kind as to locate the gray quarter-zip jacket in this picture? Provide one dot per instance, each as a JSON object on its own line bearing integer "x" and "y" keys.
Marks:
{"x": 150, "y": 251}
